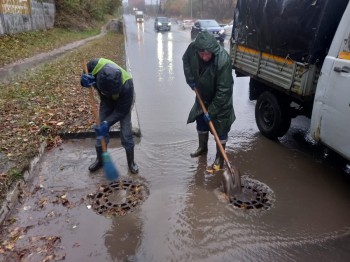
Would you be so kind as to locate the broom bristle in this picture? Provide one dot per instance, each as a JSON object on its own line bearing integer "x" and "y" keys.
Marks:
{"x": 109, "y": 168}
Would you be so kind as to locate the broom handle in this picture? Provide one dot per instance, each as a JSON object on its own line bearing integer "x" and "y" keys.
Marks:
{"x": 94, "y": 109}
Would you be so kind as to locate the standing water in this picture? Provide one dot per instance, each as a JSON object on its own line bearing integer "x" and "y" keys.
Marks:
{"x": 184, "y": 216}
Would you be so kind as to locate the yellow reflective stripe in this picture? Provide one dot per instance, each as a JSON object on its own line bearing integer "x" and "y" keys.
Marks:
{"x": 247, "y": 50}
{"x": 282, "y": 60}
{"x": 266, "y": 56}
{"x": 344, "y": 55}
{"x": 103, "y": 61}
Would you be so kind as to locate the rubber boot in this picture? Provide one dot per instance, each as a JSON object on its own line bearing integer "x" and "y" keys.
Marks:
{"x": 202, "y": 145}
{"x": 131, "y": 164}
{"x": 98, "y": 162}
{"x": 219, "y": 158}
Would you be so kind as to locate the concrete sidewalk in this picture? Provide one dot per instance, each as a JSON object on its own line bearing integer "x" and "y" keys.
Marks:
{"x": 20, "y": 66}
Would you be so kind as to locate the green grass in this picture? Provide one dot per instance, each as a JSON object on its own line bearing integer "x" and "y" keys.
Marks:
{"x": 24, "y": 45}
{"x": 38, "y": 105}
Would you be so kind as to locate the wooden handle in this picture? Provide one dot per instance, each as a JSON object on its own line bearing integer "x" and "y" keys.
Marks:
{"x": 94, "y": 109}
{"x": 212, "y": 129}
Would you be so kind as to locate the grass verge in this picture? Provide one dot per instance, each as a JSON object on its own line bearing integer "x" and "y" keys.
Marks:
{"x": 23, "y": 45}
{"x": 38, "y": 105}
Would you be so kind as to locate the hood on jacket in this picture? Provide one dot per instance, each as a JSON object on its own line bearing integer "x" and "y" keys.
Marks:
{"x": 109, "y": 80}
{"x": 206, "y": 41}
{"x": 108, "y": 77}
{"x": 92, "y": 64}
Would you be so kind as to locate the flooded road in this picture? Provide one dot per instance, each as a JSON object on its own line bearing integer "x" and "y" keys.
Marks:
{"x": 184, "y": 216}
{"x": 184, "y": 219}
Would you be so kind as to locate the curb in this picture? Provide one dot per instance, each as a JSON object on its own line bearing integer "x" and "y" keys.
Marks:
{"x": 12, "y": 195}
{"x": 6, "y": 72}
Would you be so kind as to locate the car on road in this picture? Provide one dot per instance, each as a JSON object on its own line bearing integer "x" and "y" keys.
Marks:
{"x": 209, "y": 25}
{"x": 187, "y": 24}
{"x": 162, "y": 23}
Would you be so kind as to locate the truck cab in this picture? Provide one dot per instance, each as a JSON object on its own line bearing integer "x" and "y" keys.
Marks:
{"x": 139, "y": 17}
{"x": 330, "y": 120}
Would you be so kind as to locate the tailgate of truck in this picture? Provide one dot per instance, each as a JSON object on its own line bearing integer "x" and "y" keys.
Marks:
{"x": 283, "y": 73}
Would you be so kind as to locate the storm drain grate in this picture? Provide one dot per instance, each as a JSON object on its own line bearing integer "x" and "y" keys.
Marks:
{"x": 118, "y": 197}
{"x": 255, "y": 195}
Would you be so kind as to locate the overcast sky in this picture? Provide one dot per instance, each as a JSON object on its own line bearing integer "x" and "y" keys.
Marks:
{"x": 146, "y": 1}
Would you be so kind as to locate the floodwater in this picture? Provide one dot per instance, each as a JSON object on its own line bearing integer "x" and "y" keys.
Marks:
{"x": 184, "y": 216}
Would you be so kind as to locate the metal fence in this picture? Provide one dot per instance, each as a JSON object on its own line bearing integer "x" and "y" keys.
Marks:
{"x": 26, "y": 15}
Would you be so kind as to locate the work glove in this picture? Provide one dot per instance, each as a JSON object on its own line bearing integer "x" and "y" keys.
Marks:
{"x": 87, "y": 80}
{"x": 102, "y": 129}
{"x": 206, "y": 117}
{"x": 192, "y": 85}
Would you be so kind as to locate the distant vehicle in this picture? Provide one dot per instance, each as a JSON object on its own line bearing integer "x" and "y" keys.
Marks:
{"x": 187, "y": 24}
{"x": 162, "y": 24}
{"x": 228, "y": 28}
{"x": 211, "y": 26}
{"x": 139, "y": 16}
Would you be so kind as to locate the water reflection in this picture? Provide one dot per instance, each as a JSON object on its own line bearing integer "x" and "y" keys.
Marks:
{"x": 120, "y": 240}
{"x": 140, "y": 34}
{"x": 165, "y": 56}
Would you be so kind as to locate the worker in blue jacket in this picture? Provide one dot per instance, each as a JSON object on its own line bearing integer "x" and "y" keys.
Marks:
{"x": 116, "y": 90}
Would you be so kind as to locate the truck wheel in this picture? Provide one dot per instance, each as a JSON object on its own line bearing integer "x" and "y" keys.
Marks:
{"x": 271, "y": 118}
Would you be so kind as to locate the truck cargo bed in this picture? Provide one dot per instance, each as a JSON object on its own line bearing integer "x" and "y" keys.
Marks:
{"x": 299, "y": 29}
{"x": 289, "y": 76}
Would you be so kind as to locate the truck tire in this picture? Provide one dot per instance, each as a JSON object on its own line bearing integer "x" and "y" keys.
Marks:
{"x": 271, "y": 116}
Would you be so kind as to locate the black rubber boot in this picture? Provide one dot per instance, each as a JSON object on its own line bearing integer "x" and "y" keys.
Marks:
{"x": 219, "y": 158}
{"x": 131, "y": 164}
{"x": 202, "y": 145}
{"x": 98, "y": 162}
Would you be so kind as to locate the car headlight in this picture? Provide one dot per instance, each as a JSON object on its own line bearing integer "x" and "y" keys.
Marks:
{"x": 169, "y": 24}
{"x": 159, "y": 23}
{"x": 221, "y": 31}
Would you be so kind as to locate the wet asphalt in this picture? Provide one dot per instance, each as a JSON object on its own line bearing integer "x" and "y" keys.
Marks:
{"x": 180, "y": 213}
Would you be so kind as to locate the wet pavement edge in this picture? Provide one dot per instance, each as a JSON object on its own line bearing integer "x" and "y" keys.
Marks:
{"x": 13, "y": 194}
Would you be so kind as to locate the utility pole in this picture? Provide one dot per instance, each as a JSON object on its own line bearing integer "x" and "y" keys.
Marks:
{"x": 191, "y": 9}
{"x": 202, "y": 9}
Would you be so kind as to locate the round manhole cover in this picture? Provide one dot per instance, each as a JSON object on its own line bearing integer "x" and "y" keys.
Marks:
{"x": 255, "y": 195}
{"x": 118, "y": 197}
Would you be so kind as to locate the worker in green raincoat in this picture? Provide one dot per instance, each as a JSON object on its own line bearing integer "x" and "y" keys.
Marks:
{"x": 207, "y": 67}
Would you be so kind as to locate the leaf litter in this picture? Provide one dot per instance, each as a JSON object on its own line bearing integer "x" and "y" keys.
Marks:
{"x": 38, "y": 107}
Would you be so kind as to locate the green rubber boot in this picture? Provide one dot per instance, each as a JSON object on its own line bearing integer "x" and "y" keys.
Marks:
{"x": 202, "y": 145}
{"x": 98, "y": 162}
{"x": 133, "y": 167}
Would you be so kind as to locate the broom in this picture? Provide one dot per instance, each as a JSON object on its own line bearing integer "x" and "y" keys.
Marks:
{"x": 109, "y": 168}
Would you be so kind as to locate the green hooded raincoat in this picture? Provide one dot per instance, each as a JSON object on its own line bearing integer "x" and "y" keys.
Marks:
{"x": 214, "y": 84}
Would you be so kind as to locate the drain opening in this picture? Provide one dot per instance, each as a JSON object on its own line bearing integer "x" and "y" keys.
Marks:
{"x": 118, "y": 197}
{"x": 255, "y": 195}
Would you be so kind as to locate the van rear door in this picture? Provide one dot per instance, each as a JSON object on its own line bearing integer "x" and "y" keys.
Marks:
{"x": 330, "y": 121}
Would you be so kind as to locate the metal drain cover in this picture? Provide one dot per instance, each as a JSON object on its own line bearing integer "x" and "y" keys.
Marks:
{"x": 255, "y": 195}
{"x": 118, "y": 197}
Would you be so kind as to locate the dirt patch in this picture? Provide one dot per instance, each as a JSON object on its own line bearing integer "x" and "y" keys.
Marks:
{"x": 71, "y": 20}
